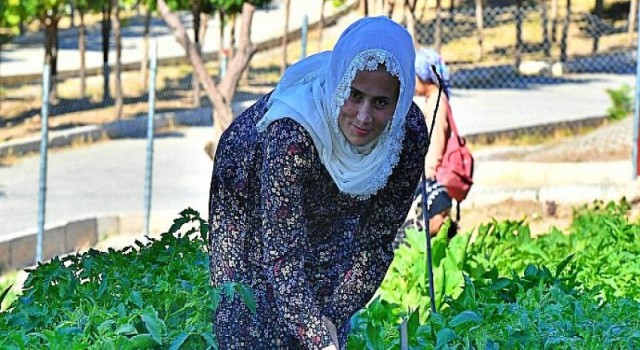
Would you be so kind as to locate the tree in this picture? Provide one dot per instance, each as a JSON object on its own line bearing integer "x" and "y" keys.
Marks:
{"x": 410, "y": 15}
{"x": 554, "y": 20}
{"x": 149, "y": 7}
{"x": 49, "y": 13}
{"x": 565, "y": 33}
{"x": 364, "y": 4}
{"x": 321, "y": 24}
{"x": 390, "y": 6}
{"x": 480, "y": 29}
{"x": 631, "y": 20}
{"x": 83, "y": 7}
{"x": 117, "y": 36}
{"x": 437, "y": 35}
{"x": 106, "y": 30}
{"x": 9, "y": 22}
{"x": 546, "y": 42}
{"x": 220, "y": 95}
{"x": 285, "y": 35}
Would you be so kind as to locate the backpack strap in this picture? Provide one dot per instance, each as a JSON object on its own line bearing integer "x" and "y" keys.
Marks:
{"x": 452, "y": 125}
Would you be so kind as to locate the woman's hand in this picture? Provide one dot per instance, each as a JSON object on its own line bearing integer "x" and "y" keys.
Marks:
{"x": 333, "y": 333}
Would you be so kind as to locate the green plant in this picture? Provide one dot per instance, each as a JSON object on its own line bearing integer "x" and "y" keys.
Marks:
{"x": 155, "y": 295}
{"x": 621, "y": 102}
{"x": 510, "y": 299}
{"x": 406, "y": 282}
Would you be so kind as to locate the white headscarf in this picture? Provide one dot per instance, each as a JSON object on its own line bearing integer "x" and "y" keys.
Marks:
{"x": 312, "y": 92}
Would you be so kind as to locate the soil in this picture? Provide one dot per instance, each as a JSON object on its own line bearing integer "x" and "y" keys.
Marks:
{"x": 541, "y": 217}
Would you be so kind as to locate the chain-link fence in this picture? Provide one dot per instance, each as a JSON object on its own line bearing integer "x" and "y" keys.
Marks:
{"x": 512, "y": 46}
{"x": 92, "y": 179}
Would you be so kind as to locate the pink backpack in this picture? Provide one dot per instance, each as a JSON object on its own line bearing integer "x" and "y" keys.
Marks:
{"x": 455, "y": 171}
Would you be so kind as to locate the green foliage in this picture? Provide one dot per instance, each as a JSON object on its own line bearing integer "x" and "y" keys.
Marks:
{"x": 603, "y": 240}
{"x": 9, "y": 19}
{"x": 155, "y": 295}
{"x": 406, "y": 282}
{"x": 40, "y": 9}
{"x": 501, "y": 289}
{"x": 590, "y": 299}
{"x": 621, "y": 102}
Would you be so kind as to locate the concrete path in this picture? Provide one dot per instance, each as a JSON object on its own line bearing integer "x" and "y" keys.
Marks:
{"x": 24, "y": 56}
{"x": 108, "y": 177}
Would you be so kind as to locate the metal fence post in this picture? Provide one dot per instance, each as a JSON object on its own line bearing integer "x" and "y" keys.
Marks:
{"x": 153, "y": 67}
{"x": 44, "y": 146}
{"x": 636, "y": 109}
{"x": 305, "y": 27}
{"x": 404, "y": 336}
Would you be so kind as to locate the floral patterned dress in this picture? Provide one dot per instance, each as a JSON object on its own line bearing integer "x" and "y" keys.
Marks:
{"x": 280, "y": 225}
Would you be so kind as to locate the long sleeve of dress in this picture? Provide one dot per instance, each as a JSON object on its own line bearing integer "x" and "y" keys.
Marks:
{"x": 287, "y": 152}
{"x": 439, "y": 134}
{"x": 378, "y": 227}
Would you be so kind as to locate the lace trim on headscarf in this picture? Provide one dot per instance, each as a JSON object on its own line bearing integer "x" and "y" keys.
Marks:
{"x": 370, "y": 60}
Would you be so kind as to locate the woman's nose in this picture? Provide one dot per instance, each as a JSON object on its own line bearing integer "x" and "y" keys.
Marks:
{"x": 364, "y": 113}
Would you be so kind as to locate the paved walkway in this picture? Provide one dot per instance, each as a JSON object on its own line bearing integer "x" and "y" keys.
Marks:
{"x": 24, "y": 56}
{"x": 108, "y": 177}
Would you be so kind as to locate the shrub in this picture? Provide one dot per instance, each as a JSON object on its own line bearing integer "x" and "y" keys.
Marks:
{"x": 621, "y": 102}
{"x": 155, "y": 295}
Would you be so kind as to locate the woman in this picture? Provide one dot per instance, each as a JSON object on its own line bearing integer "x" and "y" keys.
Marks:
{"x": 309, "y": 187}
{"x": 427, "y": 86}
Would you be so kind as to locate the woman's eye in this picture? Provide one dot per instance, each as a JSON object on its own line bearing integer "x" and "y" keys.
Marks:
{"x": 382, "y": 103}
{"x": 355, "y": 94}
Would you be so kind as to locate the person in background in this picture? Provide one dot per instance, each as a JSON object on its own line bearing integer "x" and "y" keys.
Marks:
{"x": 309, "y": 187}
{"x": 427, "y": 86}
{"x": 439, "y": 206}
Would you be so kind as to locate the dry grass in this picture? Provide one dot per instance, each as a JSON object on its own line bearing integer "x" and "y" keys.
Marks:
{"x": 20, "y": 106}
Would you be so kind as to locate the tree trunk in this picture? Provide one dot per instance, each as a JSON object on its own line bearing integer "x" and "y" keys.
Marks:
{"x": 321, "y": 24}
{"x": 144, "y": 63}
{"x": 410, "y": 15}
{"x": 554, "y": 20}
{"x": 631, "y": 20}
{"x": 285, "y": 36}
{"x": 106, "y": 29}
{"x": 391, "y": 4}
{"x": 565, "y": 33}
{"x": 82, "y": 47}
{"x": 598, "y": 8}
{"x": 204, "y": 25}
{"x": 220, "y": 97}
{"x": 517, "y": 57}
{"x": 72, "y": 13}
{"x": 51, "y": 53}
{"x": 222, "y": 58}
{"x": 364, "y": 4}
{"x": 380, "y": 7}
{"x": 546, "y": 43}
{"x": 117, "y": 36}
{"x": 1, "y": 92}
{"x": 423, "y": 11}
{"x": 480, "y": 29}
{"x": 195, "y": 11}
{"x": 437, "y": 35}
{"x": 232, "y": 37}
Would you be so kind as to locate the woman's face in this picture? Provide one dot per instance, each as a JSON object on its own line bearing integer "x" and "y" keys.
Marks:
{"x": 370, "y": 106}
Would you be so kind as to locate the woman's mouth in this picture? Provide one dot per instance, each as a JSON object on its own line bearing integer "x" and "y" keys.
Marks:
{"x": 360, "y": 131}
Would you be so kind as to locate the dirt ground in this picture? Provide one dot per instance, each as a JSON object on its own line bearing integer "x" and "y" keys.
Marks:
{"x": 540, "y": 216}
